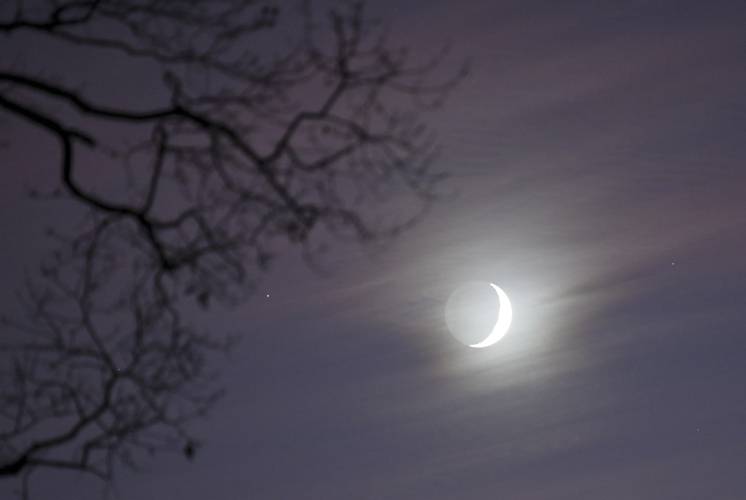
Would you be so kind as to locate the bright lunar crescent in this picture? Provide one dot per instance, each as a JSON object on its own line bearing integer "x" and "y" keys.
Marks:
{"x": 504, "y": 318}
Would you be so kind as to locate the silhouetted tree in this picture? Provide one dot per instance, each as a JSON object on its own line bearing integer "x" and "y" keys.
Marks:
{"x": 257, "y": 144}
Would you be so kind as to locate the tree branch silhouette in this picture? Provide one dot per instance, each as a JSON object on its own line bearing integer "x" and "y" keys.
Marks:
{"x": 270, "y": 148}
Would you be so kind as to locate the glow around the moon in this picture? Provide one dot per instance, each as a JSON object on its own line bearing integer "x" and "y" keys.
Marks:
{"x": 479, "y": 314}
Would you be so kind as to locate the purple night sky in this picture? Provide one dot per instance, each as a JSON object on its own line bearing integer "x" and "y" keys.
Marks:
{"x": 598, "y": 164}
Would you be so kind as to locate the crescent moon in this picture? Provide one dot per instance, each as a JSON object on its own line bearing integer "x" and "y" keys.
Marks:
{"x": 504, "y": 318}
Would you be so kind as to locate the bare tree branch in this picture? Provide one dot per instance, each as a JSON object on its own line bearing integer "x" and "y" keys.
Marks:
{"x": 286, "y": 145}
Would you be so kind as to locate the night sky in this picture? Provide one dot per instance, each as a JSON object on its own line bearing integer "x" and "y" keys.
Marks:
{"x": 597, "y": 155}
